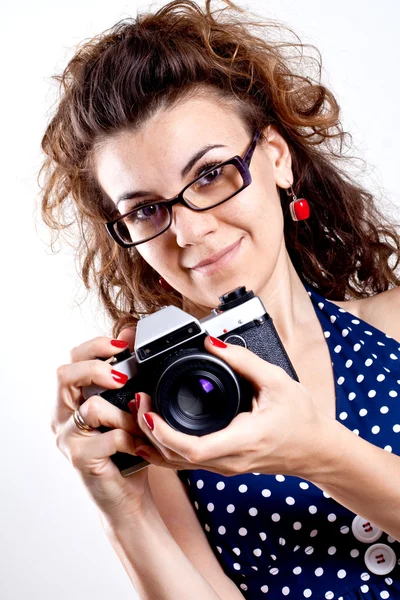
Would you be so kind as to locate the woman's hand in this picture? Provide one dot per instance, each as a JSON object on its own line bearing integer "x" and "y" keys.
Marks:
{"x": 281, "y": 434}
{"x": 89, "y": 452}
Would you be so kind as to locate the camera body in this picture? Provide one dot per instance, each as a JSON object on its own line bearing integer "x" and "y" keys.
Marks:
{"x": 194, "y": 391}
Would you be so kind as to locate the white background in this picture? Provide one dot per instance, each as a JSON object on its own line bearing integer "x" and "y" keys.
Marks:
{"x": 51, "y": 543}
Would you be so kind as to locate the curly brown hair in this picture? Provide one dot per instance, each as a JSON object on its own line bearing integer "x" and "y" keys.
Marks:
{"x": 119, "y": 78}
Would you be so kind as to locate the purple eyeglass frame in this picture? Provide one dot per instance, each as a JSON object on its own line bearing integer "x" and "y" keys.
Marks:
{"x": 242, "y": 165}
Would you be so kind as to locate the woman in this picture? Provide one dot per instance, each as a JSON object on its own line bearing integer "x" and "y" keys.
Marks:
{"x": 300, "y": 496}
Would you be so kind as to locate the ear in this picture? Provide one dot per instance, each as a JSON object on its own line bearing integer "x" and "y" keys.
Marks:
{"x": 279, "y": 156}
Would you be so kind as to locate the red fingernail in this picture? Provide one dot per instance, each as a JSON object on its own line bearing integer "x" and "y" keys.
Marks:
{"x": 119, "y": 343}
{"x": 142, "y": 454}
{"x": 132, "y": 407}
{"x": 216, "y": 342}
{"x": 119, "y": 377}
{"x": 148, "y": 419}
{"x": 137, "y": 400}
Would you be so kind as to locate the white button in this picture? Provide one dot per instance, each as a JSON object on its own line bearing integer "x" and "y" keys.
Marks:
{"x": 380, "y": 559}
{"x": 364, "y": 531}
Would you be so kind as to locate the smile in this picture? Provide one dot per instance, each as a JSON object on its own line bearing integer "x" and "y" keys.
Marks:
{"x": 219, "y": 260}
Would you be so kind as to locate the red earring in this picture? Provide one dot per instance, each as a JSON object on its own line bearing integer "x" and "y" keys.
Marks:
{"x": 299, "y": 207}
{"x": 165, "y": 285}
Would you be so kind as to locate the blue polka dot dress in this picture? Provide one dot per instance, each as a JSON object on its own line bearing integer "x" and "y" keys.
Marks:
{"x": 278, "y": 536}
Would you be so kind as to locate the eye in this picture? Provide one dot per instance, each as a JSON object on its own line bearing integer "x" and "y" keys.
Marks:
{"x": 147, "y": 212}
{"x": 210, "y": 177}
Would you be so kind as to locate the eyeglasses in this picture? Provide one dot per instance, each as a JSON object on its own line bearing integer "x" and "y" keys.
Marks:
{"x": 212, "y": 188}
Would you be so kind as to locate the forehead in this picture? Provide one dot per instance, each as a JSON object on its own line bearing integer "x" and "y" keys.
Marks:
{"x": 157, "y": 151}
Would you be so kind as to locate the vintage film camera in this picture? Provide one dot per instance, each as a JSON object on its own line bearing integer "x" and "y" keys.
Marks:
{"x": 194, "y": 391}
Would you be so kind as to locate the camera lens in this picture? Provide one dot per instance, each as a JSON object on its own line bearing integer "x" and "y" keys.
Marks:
{"x": 197, "y": 393}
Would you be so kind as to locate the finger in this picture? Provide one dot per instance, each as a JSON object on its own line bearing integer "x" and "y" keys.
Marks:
{"x": 259, "y": 372}
{"x": 128, "y": 335}
{"x": 103, "y": 347}
{"x": 89, "y": 372}
{"x": 97, "y": 411}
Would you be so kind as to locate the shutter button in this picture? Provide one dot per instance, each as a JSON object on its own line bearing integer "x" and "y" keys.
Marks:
{"x": 380, "y": 559}
{"x": 364, "y": 531}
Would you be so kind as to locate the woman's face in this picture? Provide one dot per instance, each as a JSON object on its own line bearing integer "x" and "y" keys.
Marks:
{"x": 247, "y": 229}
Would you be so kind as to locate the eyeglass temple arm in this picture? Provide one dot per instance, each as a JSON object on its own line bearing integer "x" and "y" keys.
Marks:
{"x": 251, "y": 148}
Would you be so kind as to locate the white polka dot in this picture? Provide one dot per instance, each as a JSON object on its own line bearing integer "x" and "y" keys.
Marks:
{"x": 297, "y": 525}
{"x": 356, "y": 431}
{"x": 200, "y": 484}
{"x": 266, "y": 493}
{"x": 210, "y": 507}
{"x": 242, "y": 531}
{"x": 393, "y": 393}
{"x": 356, "y": 347}
{"x": 309, "y": 550}
{"x": 345, "y": 332}
{"x": 396, "y": 428}
{"x": 253, "y": 512}
{"x": 355, "y": 321}
{"x": 368, "y": 332}
{"x": 343, "y": 415}
{"x": 196, "y": 505}
{"x": 363, "y": 412}
{"x": 321, "y": 305}
{"x": 384, "y": 410}
{"x": 341, "y": 574}
{"x": 297, "y": 570}
{"x": 368, "y": 362}
{"x": 221, "y": 530}
{"x": 312, "y": 509}
{"x": 352, "y": 395}
{"x": 276, "y": 517}
{"x": 385, "y": 594}
{"x": 264, "y": 589}
{"x": 290, "y": 500}
{"x": 332, "y": 517}
{"x": 329, "y": 595}
{"x": 318, "y": 572}
{"x": 257, "y": 552}
{"x": 263, "y": 536}
{"x": 242, "y": 488}
{"x": 230, "y": 508}
{"x": 304, "y": 485}
{"x": 388, "y": 448}
{"x": 337, "y": 348}
{"x": 236, "y": 551}
{"x": 340, "y": 380}
{"x": 332, "y": 318}
{"x": 364, "y": 589}
{"x": 388, "y": 580}
{"x": 344, "y": 529}
{"x": 207, "y": 527}
{"x": 354, "y": 553}
{"x": 297, "y": 547}
{"x": 331, "y": 550}
{"x": 307, "y": 593}
{"x": 255, "y": 568}
{"x": 390, "y": 539}
{"x": 365, "y": 576}
{"x": 372, "y": 393}
{"x": 393, "y": 356}
{"x": 360, "y": 378}
{"x": 349, "y": 363}
{"x": 220, "y": 485}
{"x": 243, "y": 587}
{"x": 280, "y": 478}
{"x": 380, "y": 343}
{"x": 325, "y": 495}
{"x": 314, "y": 532}
{"x": 285, "y": 590}
{"x": 282, "y": 541}
{"x": 219, "y": 549}
{"x": 375, "y": 429}
{"x": 256, "y": 474}
{"x": 380, "y": 377}
{"x": 274, "y": 571}
{"x": 236, "y": 566}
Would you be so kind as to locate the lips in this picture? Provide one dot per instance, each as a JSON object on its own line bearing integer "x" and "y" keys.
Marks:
{"x": 215, "y": 257}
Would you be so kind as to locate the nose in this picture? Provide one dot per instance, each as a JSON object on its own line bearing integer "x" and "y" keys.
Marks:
{"x": 191, "y": 227}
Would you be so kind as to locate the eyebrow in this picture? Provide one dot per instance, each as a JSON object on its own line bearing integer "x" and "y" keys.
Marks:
{"x": 186, "y": 169}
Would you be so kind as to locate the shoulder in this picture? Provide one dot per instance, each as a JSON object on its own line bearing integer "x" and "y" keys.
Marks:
{"x": 382, "y": 311}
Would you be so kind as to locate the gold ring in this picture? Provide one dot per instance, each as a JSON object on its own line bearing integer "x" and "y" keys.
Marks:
{"x": 80, "y": 423}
